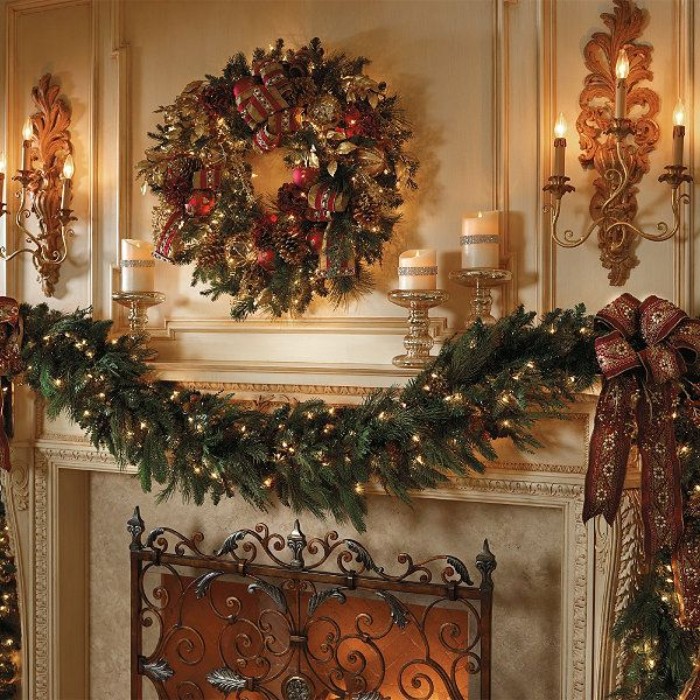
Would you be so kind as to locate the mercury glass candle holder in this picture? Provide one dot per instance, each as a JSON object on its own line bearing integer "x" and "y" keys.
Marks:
{"x": 138, "y": 304}
{"x": 418, "y": 342}
{"x": 480, "y": 280}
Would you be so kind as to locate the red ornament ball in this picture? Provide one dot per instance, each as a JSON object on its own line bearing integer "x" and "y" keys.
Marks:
{"x": 315, "y": 239}
{"x": 266, "y": 259}
{"x": 352, "y": 122}
{"x": 304, "y": 177}
{"x": 201, "y": 203}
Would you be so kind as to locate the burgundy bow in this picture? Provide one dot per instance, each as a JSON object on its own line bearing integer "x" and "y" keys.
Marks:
{"x": 642, "y": 358}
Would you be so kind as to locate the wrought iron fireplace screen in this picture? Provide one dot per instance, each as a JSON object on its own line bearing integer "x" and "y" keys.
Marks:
{"x": 289, "y": 618}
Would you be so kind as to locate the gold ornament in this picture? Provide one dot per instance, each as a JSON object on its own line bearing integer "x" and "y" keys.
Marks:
{"x": 325, "y": 111}
{"x": 371, "y": 160}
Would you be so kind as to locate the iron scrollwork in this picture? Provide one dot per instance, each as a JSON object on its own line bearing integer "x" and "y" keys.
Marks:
{"x": 322, "y": 621}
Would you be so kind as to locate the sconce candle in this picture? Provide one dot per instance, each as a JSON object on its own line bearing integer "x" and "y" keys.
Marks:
{"x": 68, "y": 171}
{"x": 622, "y": 70}
{"x": 2, "y": 178}
{"x": 480, "y": 240}
{"x": 417, "y": 269}
{"x": 678, "y": 132}
{"x": 137, "y": 266}
{"x": 27, "y": 133}
{"x": 560, "y": 145}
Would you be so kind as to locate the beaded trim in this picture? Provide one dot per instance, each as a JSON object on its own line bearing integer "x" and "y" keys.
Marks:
{"x": 137, "y": 263}
{"x": 408, "y": 271}
{"x": 468, "y": 240}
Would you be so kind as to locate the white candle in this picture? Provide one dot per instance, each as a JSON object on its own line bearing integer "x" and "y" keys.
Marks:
{"x": 622, "y": 70}
{"x": 68, "y": 171}
{"x": 2, "y": 178}
{"x": 137, "y": 266}
{"x": 559, "y": 145}
{"x": 417, "y": 269}
{"x": 480, "y": 240}
{"x": 678, "y": 133}
{"x": 27, "y": 133}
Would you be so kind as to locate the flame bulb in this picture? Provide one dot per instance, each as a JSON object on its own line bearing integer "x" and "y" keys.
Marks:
{"x": 560, "y": 126}
{"x": 679, "y": 113}
{"x": 27, "y": 129}
{"x": 622, "y": 67}
{"x": 3, "y": 165}
{"x": 68, "y": 168}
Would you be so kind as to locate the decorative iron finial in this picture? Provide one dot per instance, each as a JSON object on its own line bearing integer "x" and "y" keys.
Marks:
{"x": 486, "y": 563}
{"x": 296, "y": 541}
{"x": 135, "y": 526}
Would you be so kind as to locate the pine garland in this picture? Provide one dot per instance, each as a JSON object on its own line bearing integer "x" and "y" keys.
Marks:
{"x": 492, "y": 382}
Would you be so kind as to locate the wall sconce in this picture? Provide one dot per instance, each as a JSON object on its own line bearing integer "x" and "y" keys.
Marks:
{"x": 45, "y": 178}
{"x": 618, "y": 131}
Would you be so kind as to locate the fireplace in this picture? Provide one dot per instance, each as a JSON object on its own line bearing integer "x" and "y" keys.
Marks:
{"x": 275, "y": 617}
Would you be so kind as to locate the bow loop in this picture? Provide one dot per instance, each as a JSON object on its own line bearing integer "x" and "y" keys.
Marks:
{"x": 621, "y": 315}
{"x": 686, "y": 339}
{"x": 616, "y": 355}
{"x": 658, "y": 318}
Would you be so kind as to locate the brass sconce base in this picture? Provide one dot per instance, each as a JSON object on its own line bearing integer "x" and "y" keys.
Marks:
{"x": 481, "y": 280}
{"x": 138, "y": 304}
{"x": 45, "y": 178}
{"x": 617, "y": 142}
{"x": 418, "y": 342}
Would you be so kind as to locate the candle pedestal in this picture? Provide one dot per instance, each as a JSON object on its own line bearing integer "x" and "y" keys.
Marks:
{"x": 481, "y": 280}
{"x": 418, "y": 342}
{"x": 138, "y": 304}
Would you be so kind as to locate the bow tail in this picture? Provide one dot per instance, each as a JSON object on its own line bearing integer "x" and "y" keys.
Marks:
{"x": 692, "y": 688}
{"x": 610, "y": 448}
{"x": 662, "y": 506}
{"x": 686, "y": 570}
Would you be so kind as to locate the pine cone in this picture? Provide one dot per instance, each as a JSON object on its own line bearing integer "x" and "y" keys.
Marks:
{"x": 177, "y": 183}
{"x": 366, "y": 210}
{"x": 211, "y": 254}
{"x": 292, "y": 246}
{"x": 264, "y": 236}
{"x": 292, "y": 200}
{"x": 217, "y": 99}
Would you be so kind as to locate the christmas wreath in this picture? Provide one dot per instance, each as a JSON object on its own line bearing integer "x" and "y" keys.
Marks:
{"x": 343, "y": 140}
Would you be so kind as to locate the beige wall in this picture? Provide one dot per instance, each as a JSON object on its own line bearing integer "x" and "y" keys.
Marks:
{"x": 481, "y": 80}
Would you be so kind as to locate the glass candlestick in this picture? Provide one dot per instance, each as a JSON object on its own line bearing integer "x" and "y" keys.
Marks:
{"x": 481, "y": 280}
{"x": 418, "y": 342}
{"x": 138, "y": 304}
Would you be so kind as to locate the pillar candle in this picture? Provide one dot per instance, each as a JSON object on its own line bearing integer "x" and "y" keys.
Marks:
{"x": 137, "y": 266}
{"x": 480, "y": 240}
{"x": 417, "y": 269}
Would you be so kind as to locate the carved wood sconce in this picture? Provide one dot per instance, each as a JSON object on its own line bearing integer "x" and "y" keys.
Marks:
{"x": 45, "y": 179}
{"x": 618, "y": 131}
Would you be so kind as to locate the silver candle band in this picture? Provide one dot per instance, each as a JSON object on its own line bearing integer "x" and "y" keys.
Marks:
{"x": 418, "y": 271}
{"x": 468, "y": 240}
{"x": 137, "y": 263}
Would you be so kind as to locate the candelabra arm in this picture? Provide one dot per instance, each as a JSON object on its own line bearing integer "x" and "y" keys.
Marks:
{"x": 566, "y": 238}
{"x": 664, "y": 230}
